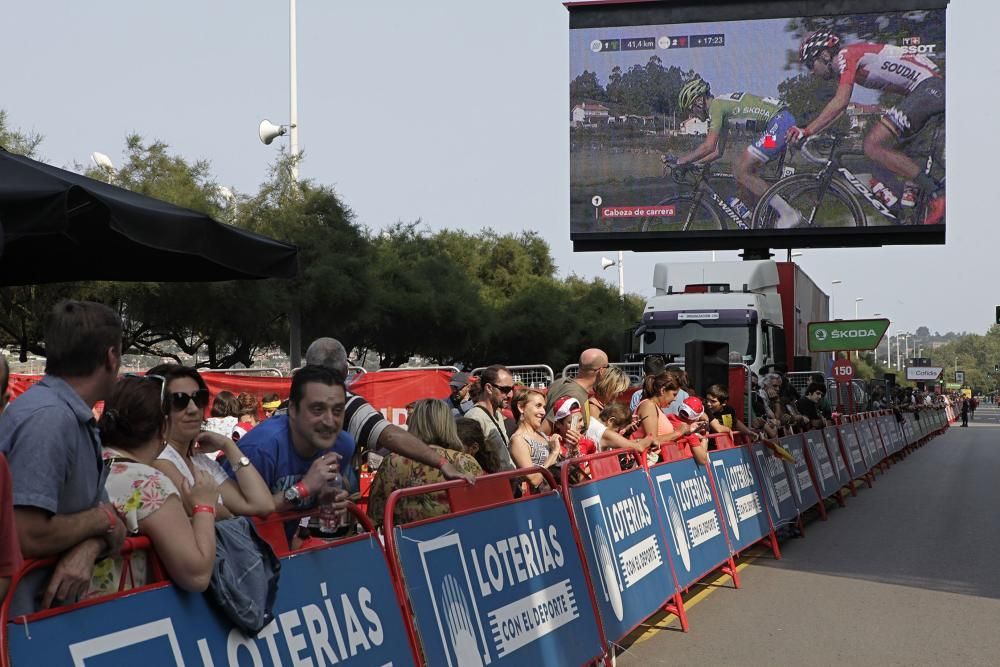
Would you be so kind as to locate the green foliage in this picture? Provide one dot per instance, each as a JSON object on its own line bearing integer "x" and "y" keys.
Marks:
{"x": 976, "y": 355}
{"x": 16, "y": 141}
{"x": 452, "y": 296}
{"x": 642, "y": 90}
{"x": 806, "y": 95}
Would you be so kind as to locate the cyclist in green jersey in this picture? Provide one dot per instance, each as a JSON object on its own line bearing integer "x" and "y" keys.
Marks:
{"x": 722, "y": 112}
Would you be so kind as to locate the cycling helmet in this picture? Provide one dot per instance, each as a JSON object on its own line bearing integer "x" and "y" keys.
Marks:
{"x": 815, "y": 43}
{"x": 691, "y": 91}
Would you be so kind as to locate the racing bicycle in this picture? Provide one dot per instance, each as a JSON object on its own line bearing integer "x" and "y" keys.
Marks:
{"x": 700, "y": 207}
{"x": 836, "y": 197}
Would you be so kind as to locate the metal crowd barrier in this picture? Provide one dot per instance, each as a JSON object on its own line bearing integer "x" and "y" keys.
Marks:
{"x": 533, "y": 376}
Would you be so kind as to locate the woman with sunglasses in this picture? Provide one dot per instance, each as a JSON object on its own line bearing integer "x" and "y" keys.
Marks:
{"x": 187, "y": 447}
{"x": 132, "y": 429}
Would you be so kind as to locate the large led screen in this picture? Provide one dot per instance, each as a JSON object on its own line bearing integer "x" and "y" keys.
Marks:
{"x": 817, "y": 131}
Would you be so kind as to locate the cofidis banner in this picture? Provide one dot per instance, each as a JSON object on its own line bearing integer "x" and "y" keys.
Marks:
{"x": 740, "y": 496}
{"x": 334, "y": 606}
{"x": 774, "y": 480}
{"x": 690, "y": 519}
{"x": 836, "y": 458}
{"x": 617, "y": 522}
{"x": 798, "y": 473}
{"x": 500, "y": 586}
{"x": 826, "y": 477}
{"x": 852, "y": 447}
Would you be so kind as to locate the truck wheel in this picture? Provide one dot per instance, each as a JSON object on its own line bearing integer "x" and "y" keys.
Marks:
{"x": 688, "y": 213}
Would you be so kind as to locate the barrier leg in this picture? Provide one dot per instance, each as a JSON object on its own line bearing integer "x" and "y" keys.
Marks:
{"x": 676, "y": 607}
{"x": 801, "y": 526}
{"x": 822, "y": 508}
{"x": 854, "y": 490}
{"x": 839, "y": 497}
{"x": 773, "y": 540}
{"x": 730, "y": 568}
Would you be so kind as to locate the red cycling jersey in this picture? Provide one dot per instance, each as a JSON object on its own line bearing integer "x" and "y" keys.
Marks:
{"x": 884, "y": 67}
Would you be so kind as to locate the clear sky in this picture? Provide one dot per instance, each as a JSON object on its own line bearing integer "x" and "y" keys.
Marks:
{"x": 452, "y": 111}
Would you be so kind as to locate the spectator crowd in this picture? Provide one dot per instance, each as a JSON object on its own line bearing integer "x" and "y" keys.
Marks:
{"x": 73, "y": 487}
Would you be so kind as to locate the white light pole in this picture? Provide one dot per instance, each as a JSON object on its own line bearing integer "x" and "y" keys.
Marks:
{"x": 608, "y": 263}
{"x": 857, "y": 301}
{"x": 876, "y": 344}
{"x": 833, "y": 307}
{"x": 293, "y": 91}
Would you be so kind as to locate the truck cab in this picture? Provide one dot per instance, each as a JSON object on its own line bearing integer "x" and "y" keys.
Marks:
{"x": 761, "y": 308}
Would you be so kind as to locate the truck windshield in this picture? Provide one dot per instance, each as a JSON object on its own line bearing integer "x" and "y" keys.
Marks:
{"x": 671, "y": 339}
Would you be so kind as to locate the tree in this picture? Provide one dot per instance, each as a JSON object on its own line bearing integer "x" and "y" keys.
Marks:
{"x": 806, "y": 95}
{"x": 586, "y": 88}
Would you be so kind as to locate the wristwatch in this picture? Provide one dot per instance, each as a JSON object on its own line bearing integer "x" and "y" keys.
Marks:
{"x": 293, "y": 496}
{"x": 242, "y": 463}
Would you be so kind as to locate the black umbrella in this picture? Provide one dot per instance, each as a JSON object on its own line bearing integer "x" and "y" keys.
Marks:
{"x": 59, "y": 226}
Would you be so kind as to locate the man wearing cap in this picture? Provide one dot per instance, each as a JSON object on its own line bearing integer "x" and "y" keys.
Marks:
{"x": 695, "y": 443}
{"x": 592, "y": 363}
{"x": 496, "y": 388}
{"x": 460, "y": 385}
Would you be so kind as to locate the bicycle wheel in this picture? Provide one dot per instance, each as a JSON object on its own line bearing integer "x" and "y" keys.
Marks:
{"x": 831, "y": 206}
{"x": 689, "y": 213}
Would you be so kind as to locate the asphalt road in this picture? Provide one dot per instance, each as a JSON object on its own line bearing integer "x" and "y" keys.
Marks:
{"x": 904, "y": 575}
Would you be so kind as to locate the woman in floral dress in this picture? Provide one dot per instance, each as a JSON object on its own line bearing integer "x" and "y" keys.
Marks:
{"x": 132, "y": 434}
{"x": 432, "y": 422}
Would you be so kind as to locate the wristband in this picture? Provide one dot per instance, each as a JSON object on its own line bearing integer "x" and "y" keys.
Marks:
{"x": 442, "y": 462}
{"x": 302, "y": 489}
{"x": 210, "y": 509}
{"x": 112, "y": 518}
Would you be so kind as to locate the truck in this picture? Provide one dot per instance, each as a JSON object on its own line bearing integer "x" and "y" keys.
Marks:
{"x": 761, "y": 308}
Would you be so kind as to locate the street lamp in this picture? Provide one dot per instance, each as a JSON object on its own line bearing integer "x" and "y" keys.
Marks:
{"x": 876, "y": 344}
{"x": 608, "y": 263}
{"x": 833, "y": 307}
{"x": 857, "y": 300}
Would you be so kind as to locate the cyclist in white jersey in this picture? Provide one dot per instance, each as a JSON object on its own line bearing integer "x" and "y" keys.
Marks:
{"x": 894, "y": 69}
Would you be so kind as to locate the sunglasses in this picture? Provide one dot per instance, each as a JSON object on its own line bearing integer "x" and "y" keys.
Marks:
{"x": 178, "y": 400}
{"x": 503, "y": 390}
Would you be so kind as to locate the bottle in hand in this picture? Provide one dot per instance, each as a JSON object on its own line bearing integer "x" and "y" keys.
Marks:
{"x": 331, "y": 518}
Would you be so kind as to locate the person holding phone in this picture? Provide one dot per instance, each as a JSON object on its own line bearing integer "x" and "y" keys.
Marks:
{"x": 695, "y": 443}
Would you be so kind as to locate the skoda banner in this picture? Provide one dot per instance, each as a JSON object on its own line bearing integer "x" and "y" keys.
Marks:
{"x": 334, "y": 606}
{"x": 836, "y": 458}
{"x": 774, "y": 481}
{"x": 690, "y": 519}
{"x": 846, "y": 335}
{"x": 826, "y": 477}
{"x": 740, "y": 496}
{"x": 499, "y": 586}
{"x": 617, "y": 521}
{"x": 798, "y": 473}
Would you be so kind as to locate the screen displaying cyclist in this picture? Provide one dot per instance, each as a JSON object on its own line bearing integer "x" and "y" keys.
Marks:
{"x": 727, "y": 110}
{"x": 880, "y": 67}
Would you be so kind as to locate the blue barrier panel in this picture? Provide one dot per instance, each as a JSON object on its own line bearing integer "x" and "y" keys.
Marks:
{"x": 690, "y": 519}
{"x": 803, "y": 490}
{"x": 774, "y": 480}
{"x": 738, "y": 489}
{"x": 907, "y": 429}
{"x": 880, "y": 447}
{"x": 823, "y": 470}
{"x": 886, "y": 426}
{"x": 502, "y": 585}
{"x": 873, "y": 453}
{"x": 334, "y": 605}
{"x": 852, "y": 451}
{"x": 832, "y": 442}
{"x": 619, "y": 528}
